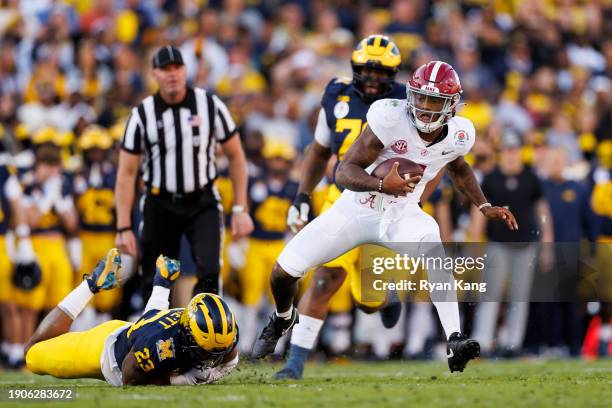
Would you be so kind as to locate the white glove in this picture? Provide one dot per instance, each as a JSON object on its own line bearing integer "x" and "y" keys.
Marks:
{"x": 53, "y": 188}
{"x": 25, "y": 251}
{"x": 297, "y": 216}
{"x": 52, "y": 192}
{"x": 211, "y": 375}
{"x": 75, "y": 252}
{"x": 236, "y": 253}
{"x": 205, "y": 375}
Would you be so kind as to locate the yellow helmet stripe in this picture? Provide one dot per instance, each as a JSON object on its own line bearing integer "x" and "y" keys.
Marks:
{"x": 207, "y": 318}
{"x": 222, "y": 314}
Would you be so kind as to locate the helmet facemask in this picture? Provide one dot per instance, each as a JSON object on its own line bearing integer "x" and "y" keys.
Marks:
{"x": 360, "y": 79}
{"x": 429, "y": 110}
{"x": 196, "y": 355}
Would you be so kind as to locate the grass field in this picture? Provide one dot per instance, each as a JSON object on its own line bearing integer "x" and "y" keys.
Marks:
{"x": 484, "y": 384}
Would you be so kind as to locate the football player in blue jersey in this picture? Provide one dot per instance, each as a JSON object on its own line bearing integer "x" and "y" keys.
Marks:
{"x": 186, "y": 346}
{"x": 342, "y": 118}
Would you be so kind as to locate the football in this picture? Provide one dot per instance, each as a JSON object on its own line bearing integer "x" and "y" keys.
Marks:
{"x": 406, "y": 167}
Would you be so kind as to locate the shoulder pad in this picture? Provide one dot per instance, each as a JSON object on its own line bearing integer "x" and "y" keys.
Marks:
{"x": 388, "y": 111}
{"x": 336, "y": 86}
{"x": 343, "y": 80}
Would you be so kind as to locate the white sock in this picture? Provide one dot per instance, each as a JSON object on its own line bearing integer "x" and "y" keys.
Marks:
{"x": 158, "y": 299}
{"x": 285, "y": 315}
{"x": 75, "y": 302}
{"x": 420, "y": 325}
{"x": 306, "y": 331}
{"x": 448, "y": 312}
{"x": 338, "y": 337}
{"x": 5, "y": 347}
{"x": 248, "y": 328}
{"x": 15, "y": 353}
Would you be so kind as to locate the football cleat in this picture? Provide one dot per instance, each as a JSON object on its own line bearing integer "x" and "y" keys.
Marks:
{"x": 459, "y": 350}
{"x": 166, "y": 271}
{"x": 288, "y": 373}
{"x": 275, "y": 329}
{"x": 390, "y": 314}
{"x": 105, "y": 275}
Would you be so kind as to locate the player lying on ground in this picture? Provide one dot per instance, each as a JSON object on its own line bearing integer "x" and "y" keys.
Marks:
{"x": 186, "y": 346}
{"x": 385, "y": 211}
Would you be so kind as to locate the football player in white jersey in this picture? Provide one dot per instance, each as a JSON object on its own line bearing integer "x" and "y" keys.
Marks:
{"x": 385, "y": 211}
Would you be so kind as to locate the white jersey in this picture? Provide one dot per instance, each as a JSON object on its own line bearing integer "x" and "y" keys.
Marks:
{"x": 389, "y": 121}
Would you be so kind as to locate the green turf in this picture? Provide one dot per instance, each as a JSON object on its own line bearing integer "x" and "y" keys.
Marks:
{"x": 394, "y": 384}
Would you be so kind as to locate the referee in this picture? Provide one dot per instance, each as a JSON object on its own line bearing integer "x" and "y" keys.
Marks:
{"x": 177, "y": 130}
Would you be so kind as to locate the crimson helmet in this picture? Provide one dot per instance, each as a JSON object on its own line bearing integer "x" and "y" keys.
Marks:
{"x": 433, "y": 95}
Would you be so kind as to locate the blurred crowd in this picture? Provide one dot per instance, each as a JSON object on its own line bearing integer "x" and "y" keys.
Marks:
{"x": 536, "y": 79}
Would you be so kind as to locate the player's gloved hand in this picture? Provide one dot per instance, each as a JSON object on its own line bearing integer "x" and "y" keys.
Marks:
{"x": 52, "y": 188}
{"x": 166, "y": 271}
{"x": 25, "y": 252}
{"x": 299, "y": 211}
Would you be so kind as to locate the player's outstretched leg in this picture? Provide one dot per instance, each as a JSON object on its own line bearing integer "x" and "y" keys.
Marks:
{"x": 57, "y": 322}
{"x": 313, "y": 308}
{"x": 460, "y": 349}
{"x": 284, "y": 288}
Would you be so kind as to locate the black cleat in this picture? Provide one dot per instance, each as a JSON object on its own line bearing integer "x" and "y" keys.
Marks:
{"x": 459, "y": 350}
{"x": 274, "y": 330}
{"x": 288, "y": 373}
{"x": 390, "y": 314}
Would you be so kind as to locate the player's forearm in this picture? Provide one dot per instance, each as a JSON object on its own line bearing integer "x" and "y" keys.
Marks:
{"x": 545, "y": 221}
{"x": 314, "y": 167}
{"x": 124, "y": 193}
{"x": 353, "y": 177}
{"x": 464, "y": 179}
{"x": 239, "y": 176}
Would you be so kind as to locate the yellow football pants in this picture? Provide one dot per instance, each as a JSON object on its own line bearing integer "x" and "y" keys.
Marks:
{"x": 255, "y": 276}
{"x": 95, "y": 247}
{"x": 57, "y": 276}
{"x": 6, "y": 270}
{"x": 73, "y": 354}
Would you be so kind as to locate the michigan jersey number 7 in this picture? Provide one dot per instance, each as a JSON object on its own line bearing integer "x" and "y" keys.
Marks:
{"x": 354, "y": 127}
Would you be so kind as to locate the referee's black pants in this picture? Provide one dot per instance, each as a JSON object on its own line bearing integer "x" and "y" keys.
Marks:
{"x": 165, "y": 218}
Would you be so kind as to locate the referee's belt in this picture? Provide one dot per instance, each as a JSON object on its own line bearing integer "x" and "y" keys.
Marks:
{"x": 180, "y": 197}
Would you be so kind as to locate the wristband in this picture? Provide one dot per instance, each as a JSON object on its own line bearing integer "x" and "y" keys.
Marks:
{"x": 484, "y": 205}
{"x": 120, "y": 230}
{"x": 380, "y": 185}
{"x": 236, "y": 209}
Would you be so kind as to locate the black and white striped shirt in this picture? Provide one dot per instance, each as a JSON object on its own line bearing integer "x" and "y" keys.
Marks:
{"x": 178, "y": 141}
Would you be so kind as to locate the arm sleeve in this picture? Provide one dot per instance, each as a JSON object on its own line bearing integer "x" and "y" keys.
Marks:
{"x": 133, "y": 135}
{"x": 158, "y": 299}
{"x": 225, "y": 127}
{"x": 322, "y": 132}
